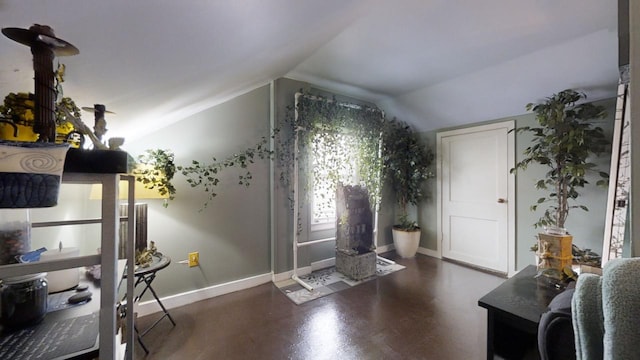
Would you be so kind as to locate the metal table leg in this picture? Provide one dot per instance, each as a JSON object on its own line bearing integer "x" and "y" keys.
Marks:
{"x": 148, "y": 279}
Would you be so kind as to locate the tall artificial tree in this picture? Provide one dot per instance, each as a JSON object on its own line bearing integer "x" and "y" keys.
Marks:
{"x": 406, "y": 165}
{"x": 564, "y": 141}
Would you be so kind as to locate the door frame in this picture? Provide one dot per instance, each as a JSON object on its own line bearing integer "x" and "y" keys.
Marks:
{"x": 509, "y": 125}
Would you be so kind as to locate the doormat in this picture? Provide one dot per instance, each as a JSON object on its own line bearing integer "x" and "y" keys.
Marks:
{"x": 328, "y": 281}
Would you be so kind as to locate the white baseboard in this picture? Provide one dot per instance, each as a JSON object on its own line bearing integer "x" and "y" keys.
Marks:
{"x": 429, "y": 252}
{"x": 287, "y": 274}
{"x": 281, "y": 276}
{"x": 421, "y": 250}
{"x": 173, "y": 301}
{"x": 322, "y": 264}
{"x": 385, "y": 248}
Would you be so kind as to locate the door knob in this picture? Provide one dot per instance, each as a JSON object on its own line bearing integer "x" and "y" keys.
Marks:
{"x": 501, "y": 201}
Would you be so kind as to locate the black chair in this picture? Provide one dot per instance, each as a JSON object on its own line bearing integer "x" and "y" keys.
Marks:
{"x": 555, "y": 330}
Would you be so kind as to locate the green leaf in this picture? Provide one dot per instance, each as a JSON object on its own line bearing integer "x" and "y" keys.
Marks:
{"x": 564, "y": 142}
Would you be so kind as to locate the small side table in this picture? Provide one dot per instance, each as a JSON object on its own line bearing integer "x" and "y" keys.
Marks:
{"x": 145, "y": 276}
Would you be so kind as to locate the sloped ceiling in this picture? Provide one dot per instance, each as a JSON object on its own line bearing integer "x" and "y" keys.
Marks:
{"x": 433, "y": 63}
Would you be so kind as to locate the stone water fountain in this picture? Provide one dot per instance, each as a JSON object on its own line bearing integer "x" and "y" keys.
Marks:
{"x": 355, "y": 251}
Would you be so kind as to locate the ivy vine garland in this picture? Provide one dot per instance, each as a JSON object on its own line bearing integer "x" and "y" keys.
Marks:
{"x": 207, "y": 174}
{"x": 326, "y": 123}
{"x": 354, "y": 132}
{"x": 157, "y": 172}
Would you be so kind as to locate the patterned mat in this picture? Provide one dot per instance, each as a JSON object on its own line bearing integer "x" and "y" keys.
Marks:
{"x": 328, "y": 281}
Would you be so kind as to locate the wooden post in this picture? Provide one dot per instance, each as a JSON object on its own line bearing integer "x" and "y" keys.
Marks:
{"x": 45, "y": 99}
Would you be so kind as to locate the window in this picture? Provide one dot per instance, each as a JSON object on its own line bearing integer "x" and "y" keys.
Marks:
{"x": 333, "y": 160}
{"x": 336, "y": 142}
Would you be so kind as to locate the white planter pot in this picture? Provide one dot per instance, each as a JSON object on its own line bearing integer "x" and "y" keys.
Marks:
{"x": 406, "y": 242}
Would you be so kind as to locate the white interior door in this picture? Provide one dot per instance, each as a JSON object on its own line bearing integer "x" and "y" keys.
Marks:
{"x": 476, "y": 195}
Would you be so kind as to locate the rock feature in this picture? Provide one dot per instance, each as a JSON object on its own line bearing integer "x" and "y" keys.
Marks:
{"x": 355, "y": 255}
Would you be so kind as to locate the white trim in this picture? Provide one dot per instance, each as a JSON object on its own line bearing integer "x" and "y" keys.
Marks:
{"x": 618, "y": 174}
{"x": 173, "y": 301}
{"x": 273, "y": 207}
{"x": 288, "y": 274}
{"x": 322, "y": 264}
{"x": 438, "y": 195}
{"x": 429, "y": 252}
{"x": 511, "y": 191}
{"x": 177, "y": 300}
{"x": 317, "y": 265}
{"x": 634, "y": 113}
{"x": 384, "y": 248}
{"x": 275, "y": 278}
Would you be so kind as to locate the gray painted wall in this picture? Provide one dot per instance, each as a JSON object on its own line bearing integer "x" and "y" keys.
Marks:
{"x": 232, "y": 233}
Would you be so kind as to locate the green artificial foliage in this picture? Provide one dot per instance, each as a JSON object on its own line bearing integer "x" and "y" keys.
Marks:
{"x": 324, "y": 122}
{"x": 384, "y": 151}
{"x": 157, "y": 172}
{"x": 207, "y": 175}
{"x": 406, "y": 165}
{"x": 159, "y": 169}
{"x": 564, "y": 142}
{"x": 350, "y": 131}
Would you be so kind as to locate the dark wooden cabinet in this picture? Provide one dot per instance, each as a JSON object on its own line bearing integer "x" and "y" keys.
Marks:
{"x": 513, "y": 313}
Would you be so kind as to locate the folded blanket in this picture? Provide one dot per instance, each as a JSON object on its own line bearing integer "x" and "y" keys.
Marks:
{"x": 588, "y": 320}
{"x": 621, "y": 308}
{"x": 606, "y": 312}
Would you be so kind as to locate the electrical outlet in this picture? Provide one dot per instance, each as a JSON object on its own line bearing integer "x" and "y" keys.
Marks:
{"x": 194, "y": 259}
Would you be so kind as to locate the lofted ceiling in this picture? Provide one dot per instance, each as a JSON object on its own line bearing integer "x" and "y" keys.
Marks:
{"x": 434, "y": 63}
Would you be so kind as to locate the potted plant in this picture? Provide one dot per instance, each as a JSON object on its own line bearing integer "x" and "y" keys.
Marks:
{"x": 564, "y": 143}
{"x": 155, "y": 169}
{"x": 406, "y": 165}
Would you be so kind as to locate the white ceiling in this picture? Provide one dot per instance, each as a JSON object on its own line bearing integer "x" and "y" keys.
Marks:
{"x": 434, "y": 63}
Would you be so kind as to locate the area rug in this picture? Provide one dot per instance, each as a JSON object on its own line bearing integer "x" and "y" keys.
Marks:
{"x": 328, "y": 281}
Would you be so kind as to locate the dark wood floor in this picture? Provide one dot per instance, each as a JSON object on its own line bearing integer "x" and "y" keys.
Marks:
{"x": 427, "y": 311}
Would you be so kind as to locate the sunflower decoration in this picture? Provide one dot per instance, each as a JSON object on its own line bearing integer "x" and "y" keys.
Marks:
{"x": 18, "y": 107}
{"x": 18, "y": 111}
{"x": 18, "y": 116}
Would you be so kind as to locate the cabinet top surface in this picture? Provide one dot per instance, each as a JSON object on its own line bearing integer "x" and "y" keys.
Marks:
{"x": 522, "y": 295}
